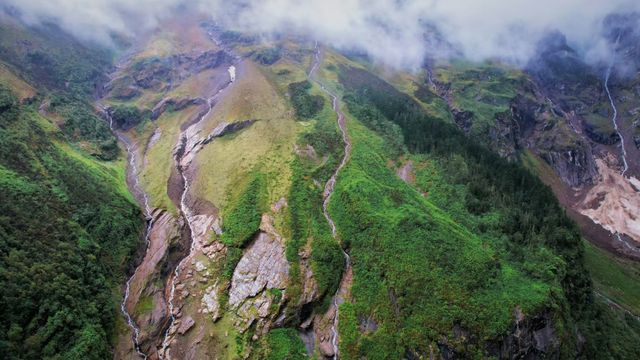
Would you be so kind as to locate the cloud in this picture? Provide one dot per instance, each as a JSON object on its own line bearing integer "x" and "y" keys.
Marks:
{"x": 95, "y": 20}
{"x": 390, "y": 31}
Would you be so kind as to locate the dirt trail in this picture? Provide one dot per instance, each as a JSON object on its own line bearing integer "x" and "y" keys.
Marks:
{"x": 345, "y": 283}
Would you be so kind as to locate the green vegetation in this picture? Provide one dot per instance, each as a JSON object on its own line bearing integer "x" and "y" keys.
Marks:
{"x": 68, "y": 225}
{"x": 67, "y": 73}
{"x": 615, "y": 278}
{"x": 309, "y": 224}
{"x": 305, "y": 104}
{"x": 268, "y": 56}
{"x": 237, "y": 37}
{"x": 126, "y": 117}
{"x": 348, "y": 330}
{"x": 309, "y": 228}
{"x": 398, "y": 239}
{"x": 66, "y": 232}
{"x": 242, "y": 221}
{"x": 280, "y": 344}
{"x": 482, "y": 90}
{"x": 506, "y": 242}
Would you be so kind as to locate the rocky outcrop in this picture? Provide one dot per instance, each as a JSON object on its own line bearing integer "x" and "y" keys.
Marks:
{"x": 605, "y": 138}
{"x": 575, "y": 166}
{"x": 159, "y": 74}
{"x": 174, "y": 104}
{"x": 225, "y": 128}
{"x": 194, "y": 143}
{"x": 259, "y": 278}
{"x": 186, "y": 325}
{"x": 464, "y": 119}
{"x": 529, "y": 338}
{"x": 147, "y": 284}
{"x": 309, "y": 283}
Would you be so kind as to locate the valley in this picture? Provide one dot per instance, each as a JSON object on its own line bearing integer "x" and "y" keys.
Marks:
{"x": 206, "y": 192}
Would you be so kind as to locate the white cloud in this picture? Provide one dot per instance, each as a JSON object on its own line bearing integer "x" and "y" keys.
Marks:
{"x": 390, "y": 31}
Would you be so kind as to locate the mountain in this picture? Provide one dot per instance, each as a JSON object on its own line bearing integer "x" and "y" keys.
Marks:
{"x": 208, "y": 193}
{"x": 69, "y": 226}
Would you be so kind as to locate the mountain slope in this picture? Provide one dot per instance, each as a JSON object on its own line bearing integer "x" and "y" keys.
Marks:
{"x": 261, "y": 253}
{"x": 299, "y": 203}
{"x": 68, "y": 224}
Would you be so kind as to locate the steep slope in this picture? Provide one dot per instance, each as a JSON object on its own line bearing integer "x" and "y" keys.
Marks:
{"x": 427, "y": 135}
{"x": 68, "y": 226}
{"x": 559, "y": 116}
{"x": 299, "y": 203}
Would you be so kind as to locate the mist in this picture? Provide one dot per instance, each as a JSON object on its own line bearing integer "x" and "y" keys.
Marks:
{"x": 391, "y": 32}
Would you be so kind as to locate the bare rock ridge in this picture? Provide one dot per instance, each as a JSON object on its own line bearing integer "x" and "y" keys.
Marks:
{"x": 263, "y": 266}
{"x": 159, "y": 74}
{"x": 262, "y": 269}
{"x": 174, "y": 104}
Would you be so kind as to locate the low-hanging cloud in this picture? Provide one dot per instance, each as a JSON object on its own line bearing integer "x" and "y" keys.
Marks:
{"x": 389, "y": 31}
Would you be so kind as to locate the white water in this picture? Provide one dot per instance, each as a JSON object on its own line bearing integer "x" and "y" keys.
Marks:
{"x": 614, "y": 119}
{"x": 328, "y": 191}
{"x": 186, "y": 211}
{"x": 137, "y": 188}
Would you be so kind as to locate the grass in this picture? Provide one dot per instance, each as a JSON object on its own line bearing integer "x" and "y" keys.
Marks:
{"x": 281, "y": 344}
{"x": 159, "y": 159}
{"x": 614, "y": 277}
{"x": 483, "y": 89}
{"x": 398, "y": 238}
{"x": 601, "y": 125}
{"x": 20, "y": 88}
{"x": 266, "y": 146}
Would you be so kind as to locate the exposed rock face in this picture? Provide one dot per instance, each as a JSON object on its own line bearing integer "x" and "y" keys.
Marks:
{"x": 549, "y": 132}
{"x": 307, "y": 151}
{"x": 210, "y": 302}
{"x": 464, "y": 119}
{"x": 575, "y": 166}
{"x": 309, "y": 283}
{"x": 258, "y": 280}
{"x": 529, "y": 338}
{"x": 225, "y": 128}
{"x": 263, "y": 266}
{"x": 147, "y": 282}
{"x": 614, "y": 203}
{"x": 175, "y": 104}
{"x": 609, "y": 138}
{"x": 195, "y": 142}
{"x": 159, "y": 74}
{"x": 405, "y": 172}
{"x": 186, "y": 325}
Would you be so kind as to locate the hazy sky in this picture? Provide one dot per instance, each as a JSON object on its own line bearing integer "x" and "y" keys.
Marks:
{"x": 390, "y": 31}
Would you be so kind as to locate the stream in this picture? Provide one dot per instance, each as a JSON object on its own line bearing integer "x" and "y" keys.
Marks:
{"x": 328, "y": 191}
{"x": 135, "y": 188}
{"x": 614, "y": 119}
{"x": 184, "y": 148}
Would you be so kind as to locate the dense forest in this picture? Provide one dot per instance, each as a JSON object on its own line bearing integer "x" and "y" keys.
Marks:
{"x": 508, "y": 207}
{"x": 68, "y": 225}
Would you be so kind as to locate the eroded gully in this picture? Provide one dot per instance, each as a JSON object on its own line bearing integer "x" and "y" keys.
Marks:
{"x": 183, "y": 156}
{"x": 338, "y": 298}
{"x": 614, "y": 120}
{"x": 135, "y": 189}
